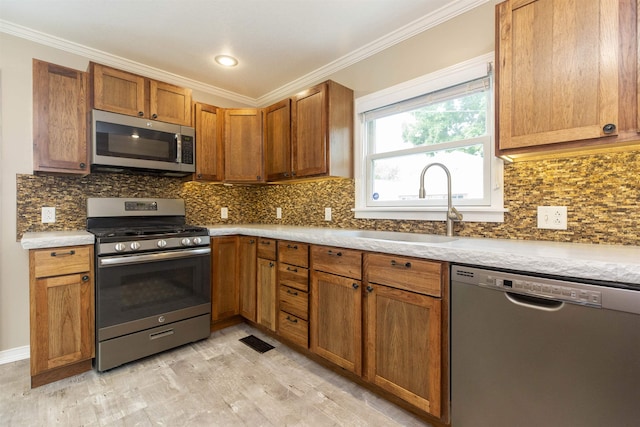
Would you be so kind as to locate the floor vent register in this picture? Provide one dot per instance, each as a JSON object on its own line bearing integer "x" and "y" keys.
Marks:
{"x": 257, "y": 344}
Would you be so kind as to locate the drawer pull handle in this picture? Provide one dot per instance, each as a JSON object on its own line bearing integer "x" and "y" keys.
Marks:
{"x": 289, "y": 291}
{"x": 265, "y": 242}
{"x": 295, "y": 270}
{"x": 85, "y": 278}
{"x": 330, "y": 252}
{"x": 251, "y": 242}
{"x": 369, "y": 289}
{"x": 397, "y": 264}
{"x": 292, "y": 246}
{"x": 292, "y": 320}
{"x": 355, "y": 285}
{"x": 71, "y": 252}
{"x": 271, "y": 264}
{"x": 162, "y": 334}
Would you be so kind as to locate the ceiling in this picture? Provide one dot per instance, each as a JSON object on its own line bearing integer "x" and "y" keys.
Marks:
{"x": 277, "y": 42}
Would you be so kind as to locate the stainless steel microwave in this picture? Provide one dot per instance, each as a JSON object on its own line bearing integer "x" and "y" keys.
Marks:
{"x": 124, "y": 143}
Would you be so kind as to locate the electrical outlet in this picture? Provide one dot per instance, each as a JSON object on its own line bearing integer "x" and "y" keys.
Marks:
{"x": 278, "y": 213}
{"x": 327, "y": 214}
{"x": 224, "y": 213}
{"x": 552, "y": 217}
{"x": 48, "y": 215}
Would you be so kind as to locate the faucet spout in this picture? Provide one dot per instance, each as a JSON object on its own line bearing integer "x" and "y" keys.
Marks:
{"x": 452, "y": 213}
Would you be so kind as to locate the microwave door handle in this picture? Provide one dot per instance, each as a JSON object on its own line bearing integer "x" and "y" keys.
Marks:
{"x": 178, "y": 140}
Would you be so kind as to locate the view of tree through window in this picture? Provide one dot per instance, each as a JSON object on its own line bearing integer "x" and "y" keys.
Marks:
{"x": 449, "y": 127}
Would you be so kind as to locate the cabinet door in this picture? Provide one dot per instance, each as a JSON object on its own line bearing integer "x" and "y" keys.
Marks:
{"x": 247, "y": 277}
{"x": 309, "y": 132}
{"x": 118, "y": 91}
{"x": 59, "y": 119}
{"x": 62, "y": 315}
{"x": 224, "y": 283}
{"x": 169, "y": 103}
{"x": 336, "y": 320}
{"x": 403, "y": 345}
{"x": 243, "y": 151}
{"x": 277, "y": 140}
{"x": 267, "y": 293}
{"x": 209, "y": 146}
{"x": 557, "y": 71}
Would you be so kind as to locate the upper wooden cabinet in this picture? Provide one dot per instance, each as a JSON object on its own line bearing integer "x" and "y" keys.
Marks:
{"x": 59, "y": 119}
{"x": 208, "y": 121}
{"x": 322, "y": 131}
{"x": 277, "y": 140}
{"x": 127, "y": 93}
{"x": 563, "y": 75}
{"x": 243, "y": 150}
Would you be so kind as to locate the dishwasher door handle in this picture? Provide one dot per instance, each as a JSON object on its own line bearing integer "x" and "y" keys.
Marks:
{"x": 533, "y": 302}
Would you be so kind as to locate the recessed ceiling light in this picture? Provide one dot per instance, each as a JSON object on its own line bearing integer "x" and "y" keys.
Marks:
{"x": 226, "y": 60}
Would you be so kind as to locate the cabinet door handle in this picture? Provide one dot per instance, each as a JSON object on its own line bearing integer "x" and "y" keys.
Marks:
{"x": 286, "y": 174}
{"x": 609, "y": 128}
{"x": 289, "y": 291}
{"x": 140, "y": 113}
{"x": 83, "y": 165}
{"x": 292, "y": 246}
{"x": 71, "y": 252}
{"x": 265, "y": 242}
{"x": 85, "y": 278}
{"x": 292, "y": 320}
{"x": 398, "y": 264}
{"x": 295, "y": 270}
{"x": 330, "y": 252}
{"x": 154, "y": 116}
{"x": 271, "y": 264}
{"x": 355, "y": 285}
{"x": 369, "y": 289}
{"x": 251, "y": 242}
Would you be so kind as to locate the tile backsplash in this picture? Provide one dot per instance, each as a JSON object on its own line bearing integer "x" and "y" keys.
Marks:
{"x": 602, "y": 193}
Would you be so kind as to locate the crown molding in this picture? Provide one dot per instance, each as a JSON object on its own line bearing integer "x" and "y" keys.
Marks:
{"x": 118, "y": 62}
{"x": 437, "y": 17}
{"x": 445, "y": 13}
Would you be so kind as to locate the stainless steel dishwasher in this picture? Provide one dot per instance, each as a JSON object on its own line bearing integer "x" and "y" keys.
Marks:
{"x": 534, "y": 351}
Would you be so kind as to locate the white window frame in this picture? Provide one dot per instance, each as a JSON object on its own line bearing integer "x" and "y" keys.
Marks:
{"x": 493, "y": 211}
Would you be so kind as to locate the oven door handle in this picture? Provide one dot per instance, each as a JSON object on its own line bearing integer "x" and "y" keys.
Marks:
{"x": 161, "y": 256}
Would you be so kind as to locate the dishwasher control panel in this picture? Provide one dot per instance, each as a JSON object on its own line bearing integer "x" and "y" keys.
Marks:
{"x": 558, "y": 290}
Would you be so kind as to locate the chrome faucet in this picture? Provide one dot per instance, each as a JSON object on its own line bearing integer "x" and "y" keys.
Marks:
{"x": 452, "y": 213}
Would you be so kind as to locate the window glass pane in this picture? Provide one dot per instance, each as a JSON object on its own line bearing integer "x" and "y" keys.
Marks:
{"x": 398, "y": 178}
{"x": 440, "y": 119}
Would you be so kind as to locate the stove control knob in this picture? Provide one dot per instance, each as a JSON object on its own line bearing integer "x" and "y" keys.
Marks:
{"x": 134, "y": 246}
{"x": 120, "y": 247}
{"x": 197, "y": 240}
{"x": 186, "y": 241}
{"x": 162, "y": 243}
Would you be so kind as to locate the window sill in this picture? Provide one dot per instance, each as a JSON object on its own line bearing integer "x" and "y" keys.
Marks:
{"x": 471, "y": 214}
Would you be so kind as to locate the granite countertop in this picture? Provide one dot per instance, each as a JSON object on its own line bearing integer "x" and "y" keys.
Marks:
{"x": 52, "y": 239}
{"x": 612, "y": 263}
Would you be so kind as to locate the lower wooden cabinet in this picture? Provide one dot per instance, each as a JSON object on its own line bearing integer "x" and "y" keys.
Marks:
{"x": 61, "y": 294}
{"x": 247, "y": 266}
{"x": 224, "y": 279}
{"x": 266, "y": 283}
{"x": 336, "y": 320}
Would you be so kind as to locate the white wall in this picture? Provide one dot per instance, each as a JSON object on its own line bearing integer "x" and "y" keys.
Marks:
{"x": 462, "y": 38}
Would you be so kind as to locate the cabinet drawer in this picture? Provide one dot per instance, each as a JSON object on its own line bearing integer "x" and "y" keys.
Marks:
{"x": 293, "y": 253}
{"x": 343, "y": 262}
{"x": 411, "y": 274}
{"x": 294, "y": 329}
{"x": 267, "y": 248}
{"x": 293, "y": 276}
{"x": 294, "y": 301}
{"x": 60, "y": 261}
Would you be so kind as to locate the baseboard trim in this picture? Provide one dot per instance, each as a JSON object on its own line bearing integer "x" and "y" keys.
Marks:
{"x": 14, "y": 354}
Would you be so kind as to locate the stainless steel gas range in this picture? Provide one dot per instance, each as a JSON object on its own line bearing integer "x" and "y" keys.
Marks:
{"x": 152, "y": 278}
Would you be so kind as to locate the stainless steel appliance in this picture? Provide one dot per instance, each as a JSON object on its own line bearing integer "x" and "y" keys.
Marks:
{"x": 124, "y": 143}
{"x": 153, "y": 274}
{"x": 536, "y": 351}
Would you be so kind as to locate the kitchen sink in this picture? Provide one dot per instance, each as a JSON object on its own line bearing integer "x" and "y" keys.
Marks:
{"x": 398, "y": 236}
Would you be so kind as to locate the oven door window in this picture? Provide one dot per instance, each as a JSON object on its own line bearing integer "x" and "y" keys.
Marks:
{"x": 116, "y": 140}
{"x": 136, "y": 291}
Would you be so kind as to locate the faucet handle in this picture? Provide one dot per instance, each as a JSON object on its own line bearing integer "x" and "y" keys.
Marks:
{"x": 454, "y": 215}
